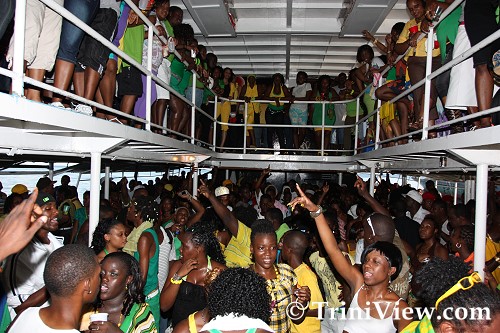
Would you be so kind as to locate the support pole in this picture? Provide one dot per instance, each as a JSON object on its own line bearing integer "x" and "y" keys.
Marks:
{"x": 195, "y": 179}
{"x": 227, "y": 174}
{"x": 404, "y": 180}
{"x": 51, "y": 170}
{"x": 95, "y": 175}
{"x": 427, "y": 86}
{"x": 340, "y": 178}
{"x": 481, "y": 210}
{"x": 455, "y": 194}
{"x": 106, "y": 182}
{"x": 372, "y": 180}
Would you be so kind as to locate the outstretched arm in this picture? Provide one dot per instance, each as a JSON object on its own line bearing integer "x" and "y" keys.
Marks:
{"x": 224, "y": 214}
{"x": 264, "y": 174}
{"x": 353, "y": 277}
{"x": 360, "y": 185}
{"x": 197, "y": 206}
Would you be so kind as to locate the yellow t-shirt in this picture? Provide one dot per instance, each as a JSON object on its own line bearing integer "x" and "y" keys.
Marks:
{"x": 237, "y": 251}
{"x": 420, "y": 50}
{"x": 492, "y": 248}
{"x": 306, "y": 277}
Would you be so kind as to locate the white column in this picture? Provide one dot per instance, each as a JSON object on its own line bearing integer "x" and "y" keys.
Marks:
{"x": 481, "y": 210}
{"x": 227, "y": 174}
{"x": 455, "y": 194}
{"x": 427, "y": 91}
{"x": 106, "y": 182}
{"x": 195, "y": 179}
{"x": 340, "y": 178}
{"x": 404, "y": 180}
{"x": 51, "y": 170}
{"x": 372, "y": 180}
{"x": 95, "y": 176}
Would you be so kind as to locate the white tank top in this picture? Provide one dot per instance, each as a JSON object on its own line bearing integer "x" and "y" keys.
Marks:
{"x": 360, "y": 321}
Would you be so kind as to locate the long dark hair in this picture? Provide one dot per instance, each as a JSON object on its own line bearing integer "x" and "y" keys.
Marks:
{"x": 103, "y": 228}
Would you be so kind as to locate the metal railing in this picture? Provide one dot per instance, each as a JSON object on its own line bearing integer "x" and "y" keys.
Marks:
{"x": 19, "y": 79}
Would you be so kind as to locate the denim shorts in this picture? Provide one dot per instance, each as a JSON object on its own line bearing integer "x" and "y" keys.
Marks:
{"x": 71, "y": 35}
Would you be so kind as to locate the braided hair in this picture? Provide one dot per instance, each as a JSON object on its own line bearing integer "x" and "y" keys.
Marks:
{"x": 239, "y": 291}
{"x": 103, "y": 228}
{"x": 203, "y": 235}
{"x": 134, "y": 292}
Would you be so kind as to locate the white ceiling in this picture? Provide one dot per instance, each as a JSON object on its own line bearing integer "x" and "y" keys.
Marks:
{"x": 286, "y": 36}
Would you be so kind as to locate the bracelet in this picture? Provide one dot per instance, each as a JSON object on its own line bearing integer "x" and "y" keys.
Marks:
{"x": 176, "y": 279}
{"x": 375, "y": 41}
{"x": 497, "y": 259}
{"x": 316, "y": 213}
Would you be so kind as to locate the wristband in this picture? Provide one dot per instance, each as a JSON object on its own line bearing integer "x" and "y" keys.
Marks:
{"x": 176, "y": 279}
{"x": 316, "y": 213}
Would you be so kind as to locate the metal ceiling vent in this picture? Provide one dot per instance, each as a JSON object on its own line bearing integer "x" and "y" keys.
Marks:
{"x": 365, "y": 14}
{"x": 214, "y": 18}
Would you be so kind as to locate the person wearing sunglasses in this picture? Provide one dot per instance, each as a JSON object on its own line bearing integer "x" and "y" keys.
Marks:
{"x": 450, "y": 289}
{"x": 381, "y": 263}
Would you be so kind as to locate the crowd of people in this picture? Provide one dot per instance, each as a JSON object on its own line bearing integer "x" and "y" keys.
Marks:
{"x": 96, "y": 74}
{"x": 243, "y": 257}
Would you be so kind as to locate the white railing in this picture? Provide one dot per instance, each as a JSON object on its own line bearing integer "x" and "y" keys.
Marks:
{"x": 18, "y": 81}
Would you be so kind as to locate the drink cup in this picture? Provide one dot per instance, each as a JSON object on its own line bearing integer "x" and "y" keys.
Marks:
{"x": 101, "y": 316}
{"x": 414, "y": 29}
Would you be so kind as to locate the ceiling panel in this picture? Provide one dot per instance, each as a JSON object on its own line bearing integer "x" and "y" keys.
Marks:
{"x": 314, "y": 42}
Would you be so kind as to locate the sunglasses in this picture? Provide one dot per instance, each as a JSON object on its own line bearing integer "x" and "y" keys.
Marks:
{"x": 472, "y": 279}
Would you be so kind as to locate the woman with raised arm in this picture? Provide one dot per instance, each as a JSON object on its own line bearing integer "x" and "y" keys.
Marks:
{"x": 375, "y": 307}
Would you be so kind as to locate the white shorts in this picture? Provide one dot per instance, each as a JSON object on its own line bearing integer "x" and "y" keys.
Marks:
{"x": 164, "y": 75}
{"x": 43, "y": 29}
{"x": 462, "y": 90}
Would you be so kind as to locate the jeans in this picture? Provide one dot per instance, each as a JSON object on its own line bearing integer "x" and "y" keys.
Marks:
{"x": 71, "y": 35}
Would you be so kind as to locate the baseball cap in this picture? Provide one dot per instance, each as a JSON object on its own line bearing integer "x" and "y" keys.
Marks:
{"x": 414, "y": 195}
{"x": 221, "y": 190}
{"x": 19, "y": 189}
{"x": 44, "y": 198}
{"x": 44, "y": 182}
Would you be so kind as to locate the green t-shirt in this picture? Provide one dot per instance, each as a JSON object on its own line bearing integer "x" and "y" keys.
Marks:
{"x": 447, "y": 30}
{"x": 133, "y": 41}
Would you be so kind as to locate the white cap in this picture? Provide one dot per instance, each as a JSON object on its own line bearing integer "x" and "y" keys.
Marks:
{"x": 414, "y": 195}
{"x": 221, "y": 190}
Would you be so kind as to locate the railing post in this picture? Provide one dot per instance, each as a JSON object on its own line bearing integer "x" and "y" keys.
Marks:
{"x": 148, "y": 79}
{"x": 323, "y": 107}
{"x": 193, "y": 107}
{"x": 377, "y": 118}
{"x": 427, "y": 93}
{"x": 214, "y": 132}
{"x": 245, "y": 126}
{"x": 18, "y": 66}
{"x": 356, "y": 128}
